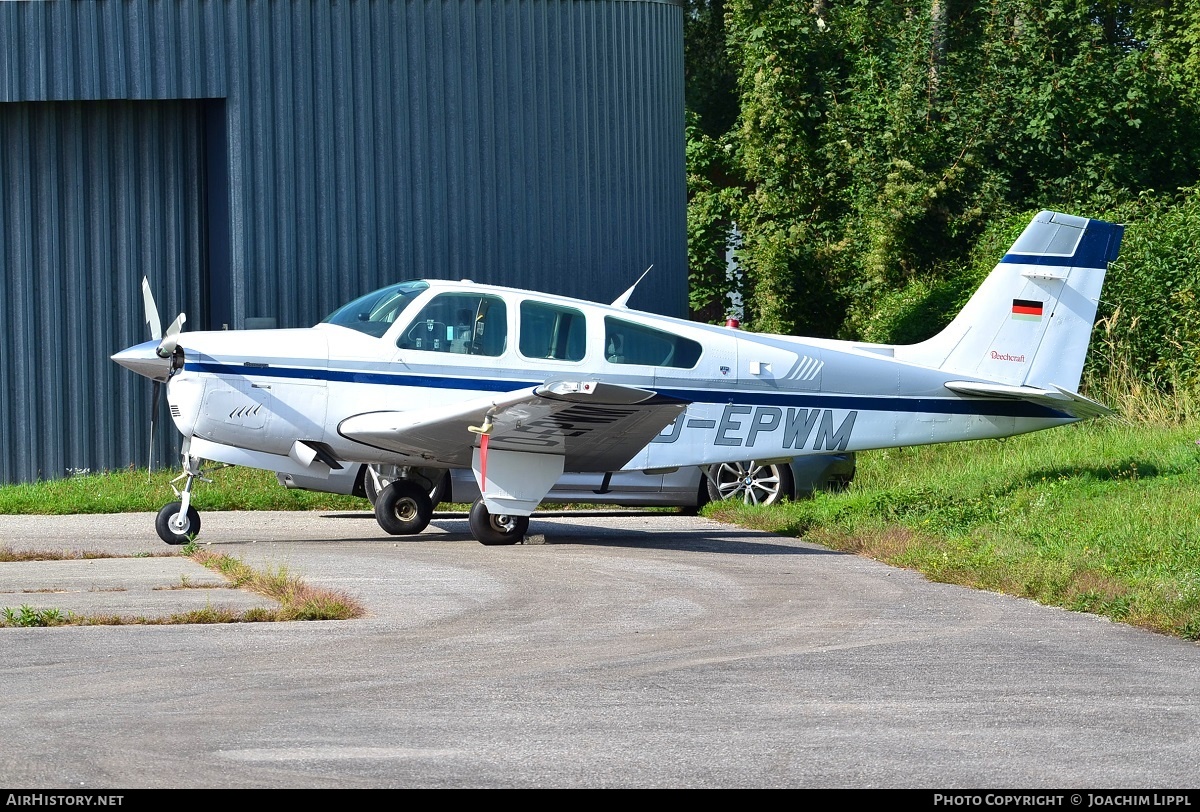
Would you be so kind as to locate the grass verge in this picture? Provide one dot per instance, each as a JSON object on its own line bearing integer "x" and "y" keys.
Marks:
{"x": 136, "y": 491}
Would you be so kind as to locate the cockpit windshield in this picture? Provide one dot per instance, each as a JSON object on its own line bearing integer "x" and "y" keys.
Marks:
{"x": 374, "y": 313}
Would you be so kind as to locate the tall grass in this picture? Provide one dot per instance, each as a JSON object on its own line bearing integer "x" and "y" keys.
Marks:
{"x": 1141, "y": 395}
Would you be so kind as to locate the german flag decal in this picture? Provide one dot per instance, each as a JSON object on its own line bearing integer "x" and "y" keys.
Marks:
{"x": 1027, "y": 310}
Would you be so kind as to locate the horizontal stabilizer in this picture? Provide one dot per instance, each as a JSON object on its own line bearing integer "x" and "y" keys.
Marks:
{"x": 1057, "y": 398}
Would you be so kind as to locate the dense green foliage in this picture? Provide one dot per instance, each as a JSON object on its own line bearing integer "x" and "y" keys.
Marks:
{"x": 1150, "y": 313}
{"x": 884, "y": 154}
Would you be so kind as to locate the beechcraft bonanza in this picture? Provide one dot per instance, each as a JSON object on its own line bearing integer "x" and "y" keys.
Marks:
{"x": 519, "y": 387}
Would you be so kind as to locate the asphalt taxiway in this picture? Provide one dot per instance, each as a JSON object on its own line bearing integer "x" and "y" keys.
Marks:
{"x": 614, "y": 649}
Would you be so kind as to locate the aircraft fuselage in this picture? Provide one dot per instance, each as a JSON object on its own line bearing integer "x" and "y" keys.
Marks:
{"x": 522, "y": 386}
{"x": 748, "y": 395}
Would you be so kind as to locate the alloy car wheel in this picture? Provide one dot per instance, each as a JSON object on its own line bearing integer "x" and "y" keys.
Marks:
{"x": 753, "y": 483}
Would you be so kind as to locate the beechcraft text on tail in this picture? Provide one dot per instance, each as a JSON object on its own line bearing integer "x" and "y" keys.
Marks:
{"x": 521, "y": 386}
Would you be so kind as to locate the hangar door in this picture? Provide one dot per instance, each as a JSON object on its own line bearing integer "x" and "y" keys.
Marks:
{"x": 93, "y": 196}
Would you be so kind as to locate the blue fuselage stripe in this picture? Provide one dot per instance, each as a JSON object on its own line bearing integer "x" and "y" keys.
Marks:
{"x": 749, "y": 397}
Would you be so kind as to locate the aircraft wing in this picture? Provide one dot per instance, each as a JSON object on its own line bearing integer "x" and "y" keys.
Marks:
{"x": 594, "y": 426}
{"x": 1058, "y": 398}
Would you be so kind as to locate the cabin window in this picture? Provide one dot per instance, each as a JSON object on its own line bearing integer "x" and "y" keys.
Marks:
{"x": 461, "y": 323}
{"x": 629, "y": 343}
{"x": 552, "y": 331}
{"x": 374, "y": 313}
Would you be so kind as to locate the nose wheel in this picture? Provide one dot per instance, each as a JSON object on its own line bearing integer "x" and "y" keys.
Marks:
{"x": 178, "y": 522}
{"x": 176, "y": 525}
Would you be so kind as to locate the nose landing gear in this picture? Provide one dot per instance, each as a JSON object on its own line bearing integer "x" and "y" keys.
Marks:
{"x": 179, "y": 522}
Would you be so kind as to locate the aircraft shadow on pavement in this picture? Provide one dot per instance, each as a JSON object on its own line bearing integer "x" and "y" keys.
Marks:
{"x": 729, "y": 540}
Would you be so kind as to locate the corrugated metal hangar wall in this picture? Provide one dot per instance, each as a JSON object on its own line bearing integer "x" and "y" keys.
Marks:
{"x": 271, "y": 159}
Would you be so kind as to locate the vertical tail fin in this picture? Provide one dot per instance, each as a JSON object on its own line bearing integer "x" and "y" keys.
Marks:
{"x": 1030, "y": 322}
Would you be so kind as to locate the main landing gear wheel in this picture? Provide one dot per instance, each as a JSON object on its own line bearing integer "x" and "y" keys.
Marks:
{"x": 378, "y": 477}
{"x": 176, "y": 527}
{"x": 491, "y": 529}
{"x": 403, "y": 508}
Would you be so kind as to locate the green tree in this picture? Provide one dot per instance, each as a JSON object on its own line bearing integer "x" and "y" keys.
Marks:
{"x": 793, "y": 199}
{"x": 878, "y": 140}
{"x": 714, "y": 178}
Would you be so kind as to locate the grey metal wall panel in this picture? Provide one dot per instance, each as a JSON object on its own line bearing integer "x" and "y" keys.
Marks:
{"x": 531, "y": 143}
{"x": 58, "y": 50}
{"x": 536, "y": 143}
{"x": 89, "y": 188}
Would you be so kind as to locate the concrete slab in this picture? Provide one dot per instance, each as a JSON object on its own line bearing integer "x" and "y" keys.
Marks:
{"x": 126, "y": 587}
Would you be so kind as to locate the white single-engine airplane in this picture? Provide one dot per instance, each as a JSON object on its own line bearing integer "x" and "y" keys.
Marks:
{"x": 520, "y": 386}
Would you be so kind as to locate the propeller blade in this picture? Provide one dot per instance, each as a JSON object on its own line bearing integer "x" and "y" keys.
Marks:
{"x": 151, "y": 310}
{"x": 177, "y": 325}
{"x": 171, "y": 339}
{"x": 153, "y": 423}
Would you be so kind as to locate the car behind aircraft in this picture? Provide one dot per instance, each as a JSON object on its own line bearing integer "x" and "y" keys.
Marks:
{"x": 751, "y": 482}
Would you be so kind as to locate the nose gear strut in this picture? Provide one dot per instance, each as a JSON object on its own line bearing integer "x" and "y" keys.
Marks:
{"x": 178, "y": 522}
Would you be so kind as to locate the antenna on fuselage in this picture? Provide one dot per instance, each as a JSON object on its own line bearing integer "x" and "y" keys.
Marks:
{"x": 623, "y": 299}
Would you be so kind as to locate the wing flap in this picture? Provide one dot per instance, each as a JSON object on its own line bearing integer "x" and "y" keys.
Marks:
{"x": 593, "y": 426}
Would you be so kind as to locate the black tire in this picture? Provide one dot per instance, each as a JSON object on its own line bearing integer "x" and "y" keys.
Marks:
{"x": 403, "y": 508}
{"x": 437, "y": 494}
{"x": 180, "y": 533}
{"x": 368, "y": 482}
{"x": 751, "y": 482}
{"x": 495, "y": 530}
{"x": 441, "y": 490}
{"x": 360, "y": 485}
